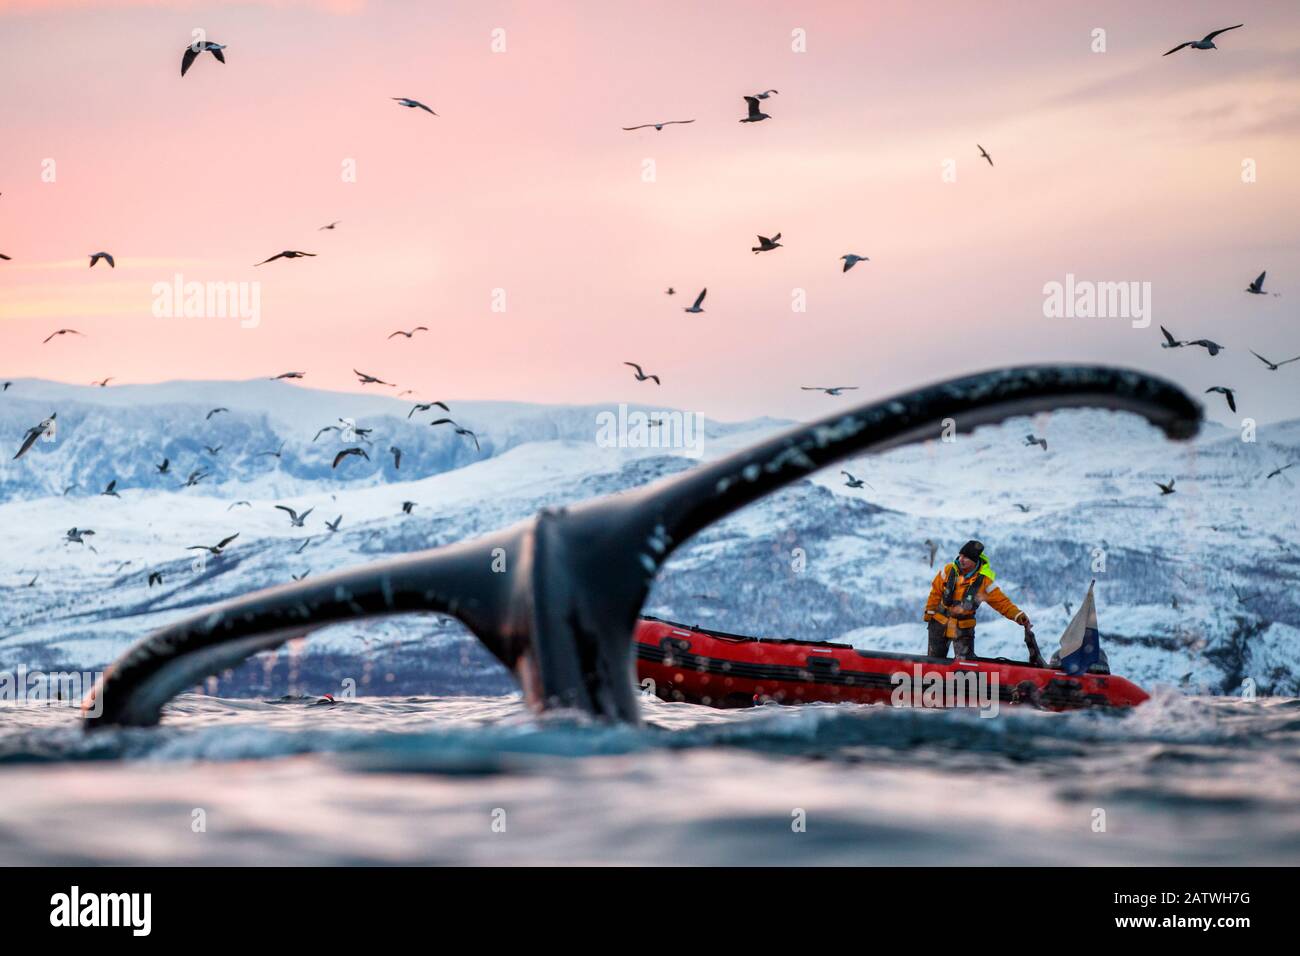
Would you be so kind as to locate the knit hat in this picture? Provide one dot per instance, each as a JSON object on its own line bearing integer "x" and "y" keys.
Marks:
{"x": 972, "y": 549}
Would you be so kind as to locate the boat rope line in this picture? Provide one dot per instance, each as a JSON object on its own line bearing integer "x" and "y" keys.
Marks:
{"x": 561, "y": 615}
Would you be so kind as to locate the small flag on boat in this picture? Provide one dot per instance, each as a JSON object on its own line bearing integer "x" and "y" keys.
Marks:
{"x": 1081, "y": 644}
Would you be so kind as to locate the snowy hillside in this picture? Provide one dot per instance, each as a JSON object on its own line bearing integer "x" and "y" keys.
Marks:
{"x": 1196, "y": 589}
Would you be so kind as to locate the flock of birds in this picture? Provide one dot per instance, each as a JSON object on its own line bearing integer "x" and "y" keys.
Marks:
{"x": 755, "y": 104}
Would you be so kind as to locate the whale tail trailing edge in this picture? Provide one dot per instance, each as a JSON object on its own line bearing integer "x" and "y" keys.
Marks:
{"x": 556, "y": 598}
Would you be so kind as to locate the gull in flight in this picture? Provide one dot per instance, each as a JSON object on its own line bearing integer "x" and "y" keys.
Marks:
{"x": 334, "y": 525}
{"x": 984, "y": 153}
{"x": 286, "y": 375}
{"x": 63, "y": 332}
{"x": 194, "y": 478}
{"x": 246, "y": 504}
{"x": 164, "y": 467}
{"x": 418, "y": 328}
{"x": 1166, "y": 489}
{"x": 35, "y": 432}
{"x": 407, "y": 507}
{"x": 96, "y": 256}
{"x": 1274, "y": 366}
{"x": 214, "y": 412}
{"x": 331, "y": 225}
{"x": 5, "y": 257}
{"x": 851, "y": 260}
{"x": 155, "y": 577}
{"x": 111, "y": 490}
{"x": 696, "y": 305}
{"x": 459, "y": 430}
{"x": 425, "y": 406}
{"x": 1204, "y": 44}
{"x": 348, "y": 451}
{"x": 213, "y": 451}
{"x": 103, "y": 383}
{"x": 412, "y": 104}
{"x": 765, "y": 244}
{"x": 1257, "y": 287}
{"x": 766, "y": 93}
{"x": 642, "y": 376}
{"x": 287, "y": 254}
{"x": 934, "y": 549}
{"x": 273, "y": 454}
{"x": 755, "y": 114}
{"x": 659, "y": 126}
{"x": 194, "y": 49}
{"x": 214, "y": 548}
{"x": 829, "y": 389}
{"x": 75, "y": 534}
{"x": 397, "y": 456}
{"x": 1277, "y": 471}
{"x": 296, "y": 519}
{"x": 1226, "y": 393}
{"x": 371, "y": 380}
{"x": 1213, "y": 348}
{"x": 1031, "y": 440}
{"x": 852, "y": 481}
{"x": 1170, "y": 342}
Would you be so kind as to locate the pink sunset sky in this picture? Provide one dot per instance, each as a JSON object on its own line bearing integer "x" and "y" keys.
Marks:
{"x": 1115, "y": 166}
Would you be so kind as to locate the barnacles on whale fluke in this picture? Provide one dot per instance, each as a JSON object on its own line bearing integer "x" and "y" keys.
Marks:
{"x": 561, "y": 616}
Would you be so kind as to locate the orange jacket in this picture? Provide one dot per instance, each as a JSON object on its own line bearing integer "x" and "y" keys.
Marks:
{"x": 968, "y": 594}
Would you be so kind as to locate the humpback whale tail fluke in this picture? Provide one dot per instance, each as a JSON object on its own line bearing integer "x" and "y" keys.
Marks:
{"x": 556, "y": 598}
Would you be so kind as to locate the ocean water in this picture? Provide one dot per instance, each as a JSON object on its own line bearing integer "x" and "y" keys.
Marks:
{"x": 480, "y": 780}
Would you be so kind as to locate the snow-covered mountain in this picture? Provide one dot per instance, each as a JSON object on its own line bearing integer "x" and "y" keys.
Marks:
{"x": 1196, "y": 589}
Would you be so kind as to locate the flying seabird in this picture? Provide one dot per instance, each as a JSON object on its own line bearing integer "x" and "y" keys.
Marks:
{"x": 425, "y": 406}
{"x": 327, "y": 428}
{"x": 371, "y": 380}
{"x": 755, "y": 114}
{"x": 1226, "y": 393}
{"x": 1274, "y": 366}
{"x": 194, "y": 49}
{"x": 1277, "y": 471}
{"x": 194, "y": 478}
{"x": 299, "y": 577}
{"x": 111, "y": 490}
{"x": 296, "y": 519}
{"x": 214, "y": 548}
{"x": 1212, "y": 347}
{"x": 215, "y": 411}
{"x": 96, "y": 256}
{"x": 213, "y": 451}
{"x": 35, "y": 432}
{"x": 1204, "y": 44}
{"x": 1170, "y": 342}
{"x": 418, "y": 328}
{"x": 851, "y": 260}
{"x": 642, "y": 376}
{"x": 670, "y": 291}
{"x": 273, "y": 454}
{"x": 829, "y": 389}
{"x": 284, "y": 375}
{"x": 766, "y": 93}
{"x": 64, "y": 332}
{"x": 1024, "y": 509}
{"x": 696, "y": 305}
{"x": 103, "y": 382}
{"x": 331, "y": 225}
{"x": 246, "y": 504}
{"x": 407, "y": 506}
{"x": 984, "y": 154}
{"x": 659, "y": 126}
{"x": 155, "y": 577}
{"x": 287, "y": 254}
{"x": 334, "y": 525}
{"x": 1257, "y": 287}
{"x": 75, "y": 534}
{"x": 1031, "y": 440}
{"x": 349, "y": 451}
{"x": 412, "y": 104}
{"x": 1166, "y": 489}
{"x": 934, "y": 549}
{"x": 852, "y": 482}
{"x": 397, "y": 455}
{"x": 765, "y": 244}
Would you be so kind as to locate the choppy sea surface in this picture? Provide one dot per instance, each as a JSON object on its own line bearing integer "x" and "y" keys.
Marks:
{"x": 480, "y": 780}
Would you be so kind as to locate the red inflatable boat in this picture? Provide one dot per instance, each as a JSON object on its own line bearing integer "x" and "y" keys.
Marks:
{"x": 700, "y": 666}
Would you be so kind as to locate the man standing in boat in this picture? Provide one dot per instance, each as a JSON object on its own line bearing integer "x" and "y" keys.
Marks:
{"x": 958, "y": 590}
